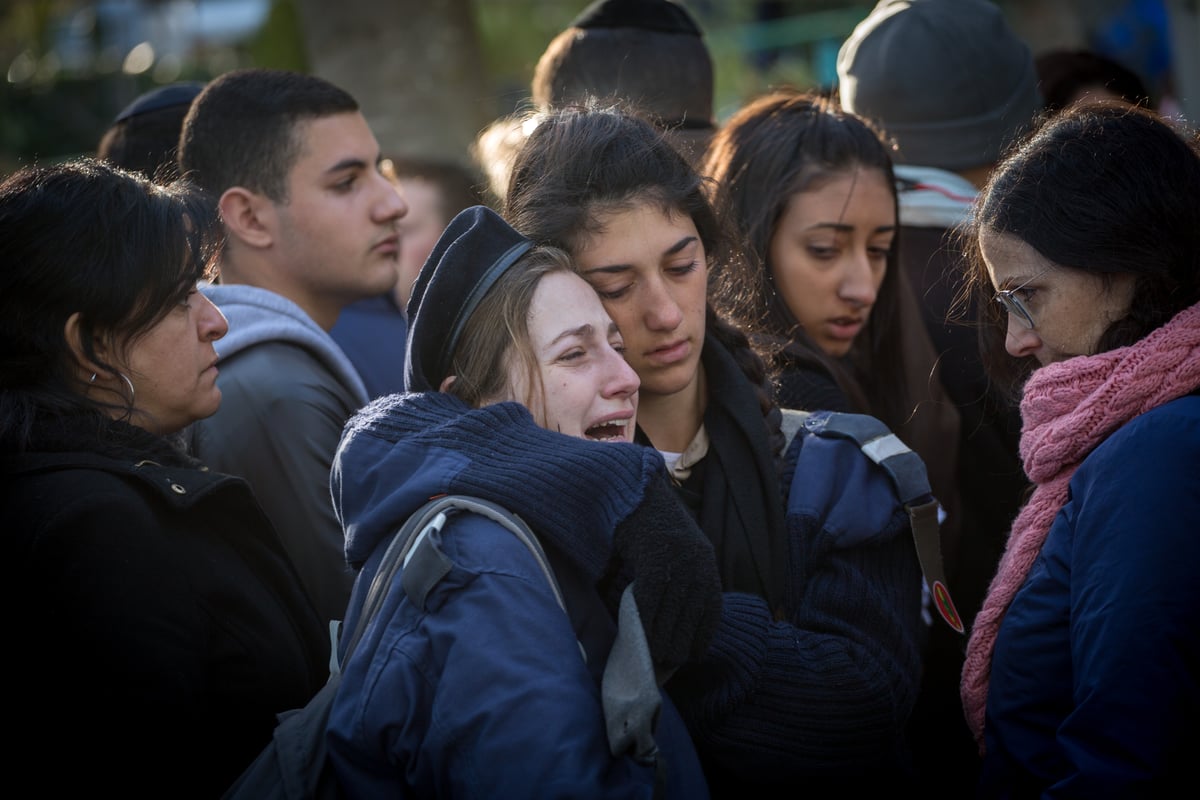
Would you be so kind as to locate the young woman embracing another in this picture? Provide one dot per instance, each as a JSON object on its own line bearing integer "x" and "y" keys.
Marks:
{"x": 519, "y": 395}
{"x": 814, "y": 667}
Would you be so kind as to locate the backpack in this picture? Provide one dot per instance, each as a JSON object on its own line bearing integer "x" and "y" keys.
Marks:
{"x": 295, "y": 764}
{"x": 907, "y": 473}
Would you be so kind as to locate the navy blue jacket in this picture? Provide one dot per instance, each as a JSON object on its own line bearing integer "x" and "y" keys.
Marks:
{"x": 484, "y": 692}
{"x": 1095, "y": 681}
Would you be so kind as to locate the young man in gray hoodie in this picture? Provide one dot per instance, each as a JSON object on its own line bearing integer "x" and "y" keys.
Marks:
{"x": 311, "y": 227}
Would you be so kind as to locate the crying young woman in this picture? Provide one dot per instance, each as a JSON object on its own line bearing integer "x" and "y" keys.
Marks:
{"x": 519, "y": 394}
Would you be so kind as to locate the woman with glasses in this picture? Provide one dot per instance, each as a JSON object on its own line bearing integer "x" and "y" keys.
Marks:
{"x": 1081, "y": 672}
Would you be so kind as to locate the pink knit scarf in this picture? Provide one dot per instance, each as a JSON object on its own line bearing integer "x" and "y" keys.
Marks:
{"x": 1067, "y": 409}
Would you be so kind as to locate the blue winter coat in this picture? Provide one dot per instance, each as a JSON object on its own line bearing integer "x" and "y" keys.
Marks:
{"x": 1095, "y": 683}
{"x": 485, "y": 692}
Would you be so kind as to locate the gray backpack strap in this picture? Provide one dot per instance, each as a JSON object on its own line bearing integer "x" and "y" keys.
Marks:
{"x": 629, "y": 692}
{"x": 425, "y": 564}
{"x": 907, "y": 472}
{"x": 414, "y": 528}
{"x": 793, "y": 421}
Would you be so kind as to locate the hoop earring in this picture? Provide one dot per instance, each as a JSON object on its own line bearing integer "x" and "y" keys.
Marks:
{"x": 129, "y": 383}
{"x": 92, "y": 379}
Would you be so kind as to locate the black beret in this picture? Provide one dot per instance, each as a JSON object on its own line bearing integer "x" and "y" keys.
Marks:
{"x": 649, "y": 15}
{"x": 175, "y": 94}
{"x": 476, "y": 248}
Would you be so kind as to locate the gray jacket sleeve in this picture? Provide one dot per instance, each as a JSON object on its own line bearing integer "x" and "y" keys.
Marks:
{"x": 278, "y": 426}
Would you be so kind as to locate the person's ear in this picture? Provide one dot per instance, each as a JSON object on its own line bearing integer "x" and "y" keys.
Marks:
{"x": 447, "y": 382}
{"x": 249, "y": 216}
{"x": 73, "y": 334}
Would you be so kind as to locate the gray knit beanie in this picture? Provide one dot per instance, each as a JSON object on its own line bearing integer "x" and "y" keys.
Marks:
{"x": 948, "y": 79}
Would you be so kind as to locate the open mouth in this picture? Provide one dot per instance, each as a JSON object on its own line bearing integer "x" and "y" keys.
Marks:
{"x": 846, "y": 327}
{"x": 613, "y": 431}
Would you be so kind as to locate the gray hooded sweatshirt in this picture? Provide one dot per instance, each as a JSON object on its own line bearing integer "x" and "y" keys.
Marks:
{"x": 287, "y": 390}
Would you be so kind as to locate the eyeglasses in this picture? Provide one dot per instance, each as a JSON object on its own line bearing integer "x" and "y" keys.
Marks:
{"x": 1008, "y": 300}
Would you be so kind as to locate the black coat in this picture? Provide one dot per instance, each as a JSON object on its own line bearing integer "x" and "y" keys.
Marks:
{"x": 992, "y": 487}
{"x": 158, "y": 625}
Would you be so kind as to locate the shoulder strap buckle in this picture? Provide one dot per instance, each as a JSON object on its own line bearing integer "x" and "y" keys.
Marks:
{"x": 908, "y": 476}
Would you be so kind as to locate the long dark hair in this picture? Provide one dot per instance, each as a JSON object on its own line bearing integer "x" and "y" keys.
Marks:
{"x": 1104, "y": 188}
{"x": 91, "y": 238}
{"x": 776, "y": 146}
{"x": 584, "y": 161}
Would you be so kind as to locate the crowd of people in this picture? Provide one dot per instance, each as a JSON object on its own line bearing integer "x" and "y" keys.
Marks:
{"x": 242, "y": 344}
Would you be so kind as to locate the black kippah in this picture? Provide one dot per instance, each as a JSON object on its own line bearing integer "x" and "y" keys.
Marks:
{"x": 651, "y": 15}
{"x": 175, "y": 94}
{"x": 476, "y": 248}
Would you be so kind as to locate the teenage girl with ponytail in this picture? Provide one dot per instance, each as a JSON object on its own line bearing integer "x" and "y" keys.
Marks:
{"x": 815, "y": 664}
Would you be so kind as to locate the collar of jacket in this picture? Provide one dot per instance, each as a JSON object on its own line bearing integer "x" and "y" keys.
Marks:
{"x": 180, "y": 486}
{"x": 121, "y": 449}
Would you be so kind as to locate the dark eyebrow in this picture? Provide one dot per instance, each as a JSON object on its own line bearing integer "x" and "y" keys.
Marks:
{"x": 347, "y": 163}
{"x": 1019, "y": 281}
{"x": 614, "y": 268}
{"x": 839, "y": 226}
{"x": 607, "y": 269}
{"x": 682, "y": 243}
{"x": 583, "y": 331}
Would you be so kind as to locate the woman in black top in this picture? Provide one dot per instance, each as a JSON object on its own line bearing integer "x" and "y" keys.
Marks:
{"x": 160, "y": 624}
